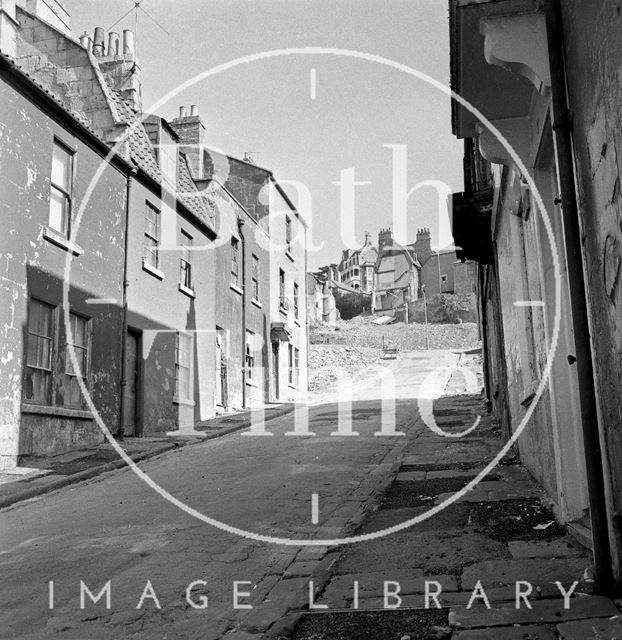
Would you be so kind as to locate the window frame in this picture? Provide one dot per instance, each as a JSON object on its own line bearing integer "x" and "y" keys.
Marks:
{"x": 66, "y": 191}
{"x": 86, "y": 352}
{"x": 255, "y": 277}
{"x": 185, "y": 263}
{"x": 296, "y": 300}
{"x": 52, "y": 350}
{"x": 282, "y": 299}
{"x": 235, "y": 261}
{"x": 154, "y": 248}
{"x": 249, "y": 357}
{"x": 180, "y": 393}
{"x": 288, "y": 233}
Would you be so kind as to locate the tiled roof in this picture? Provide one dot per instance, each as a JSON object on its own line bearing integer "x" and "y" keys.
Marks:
{"x": 143, "y": 157}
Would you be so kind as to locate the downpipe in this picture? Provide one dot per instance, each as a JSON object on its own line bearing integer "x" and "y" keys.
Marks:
{"x": 243, "y": 267}
{"x": 562, "y": 131}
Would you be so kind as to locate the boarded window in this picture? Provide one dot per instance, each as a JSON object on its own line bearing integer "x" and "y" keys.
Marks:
{"x": 250, "y": 356}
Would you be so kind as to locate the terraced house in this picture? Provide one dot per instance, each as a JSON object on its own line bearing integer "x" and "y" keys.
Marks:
{"x": 140, "y": 288}
{"x": 541, "y": 215}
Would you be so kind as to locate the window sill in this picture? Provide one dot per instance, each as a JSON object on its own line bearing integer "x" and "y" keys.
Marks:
{"x": 185, "y": 403}
{"x": 60, "y": 412}
{"x": 293, "y": 386}
{"x": 283, "y": 311}
{"x": 296, "y": 321}
{"x": 234, "y": 287}
{"x": 153, "y": 270}
{"x": 187, "y": 291}
{"x": 257, "y": 303}
{"x": 59, "y": 240}
{"x": 252, "y": 383}
{"x": 289, "y": 255}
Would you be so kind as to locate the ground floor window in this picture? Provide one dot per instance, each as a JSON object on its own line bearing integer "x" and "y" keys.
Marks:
{"x": 250, "y": 356}
{"x": 50, "y": 377}
{"x": 183, "y": 366}
{"x": 294, "y": 365}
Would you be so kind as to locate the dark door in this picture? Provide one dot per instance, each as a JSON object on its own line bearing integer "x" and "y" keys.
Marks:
{"x": 132, "y": 369}
{"x": 275, "y": 370}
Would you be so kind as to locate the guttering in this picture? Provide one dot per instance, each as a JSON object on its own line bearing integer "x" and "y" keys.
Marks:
{"x": 243, "y": 241}
{"x": 562, "y": 131}
{"x": 126, "y": 284}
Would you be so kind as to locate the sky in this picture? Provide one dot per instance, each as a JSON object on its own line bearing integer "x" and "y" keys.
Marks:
{"x": 314, "y": 134}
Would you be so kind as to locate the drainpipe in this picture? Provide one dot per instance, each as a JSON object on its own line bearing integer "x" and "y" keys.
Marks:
{"x": 128, "y": 189}
{"x": 243, "y": 240}
{"x": 562, "y": 129}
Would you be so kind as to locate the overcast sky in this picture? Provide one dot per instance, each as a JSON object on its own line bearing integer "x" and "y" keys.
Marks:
{"x": 266, "y": 108}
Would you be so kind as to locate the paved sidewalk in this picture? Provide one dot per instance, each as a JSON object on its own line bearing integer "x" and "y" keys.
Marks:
{"x": 498, "y": 537}
{"x": 36, "y": 476}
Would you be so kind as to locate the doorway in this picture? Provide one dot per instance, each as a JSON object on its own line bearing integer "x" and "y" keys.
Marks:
{"x": 221, "y": 369}
{"x": 275, "y": 370}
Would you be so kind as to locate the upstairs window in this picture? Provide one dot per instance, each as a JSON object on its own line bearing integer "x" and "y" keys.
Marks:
{"x": 296, "y": 291}
{"x": 185, "y": 266}
{"x": 61, "y": 188}
{"x": 255, "y": 277}
{"x": 235, "y": 262}
{"x": 151, "y": 241}
{"x": 288, "y": 233}
{"x": 282, "y": 302}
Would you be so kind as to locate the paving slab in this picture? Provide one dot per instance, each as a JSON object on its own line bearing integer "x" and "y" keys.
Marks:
{"x": 592, "y": 629}
{"x": 544, "y": 549}
{"x": 410, "y": 476}
{"x": 542, "y": 611}
{"x": 452, "y": 473}
{"x": 499, "y": 573}
{"x": 507, "y": 633}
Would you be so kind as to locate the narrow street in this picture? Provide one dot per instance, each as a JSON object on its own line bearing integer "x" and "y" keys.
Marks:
{"x": 116, "y": 528}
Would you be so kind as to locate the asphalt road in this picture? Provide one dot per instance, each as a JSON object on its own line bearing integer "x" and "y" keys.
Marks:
{"x": 116, "y": 528}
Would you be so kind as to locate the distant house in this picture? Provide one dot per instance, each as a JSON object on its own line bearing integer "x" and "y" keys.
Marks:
{"x": 321, "y": 303}
{"x": 356, "y": 268}
{"x": 396, "y": 275}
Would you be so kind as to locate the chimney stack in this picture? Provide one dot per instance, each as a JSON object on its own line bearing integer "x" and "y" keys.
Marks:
{"x": 98, "y": 42}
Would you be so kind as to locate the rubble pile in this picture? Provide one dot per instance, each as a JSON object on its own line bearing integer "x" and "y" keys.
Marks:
{"x": 356, "y": 345}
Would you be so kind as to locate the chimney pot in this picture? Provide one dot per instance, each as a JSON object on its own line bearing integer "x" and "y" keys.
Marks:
{"x": 128, "y": 42}
{"x": 113, "y": 44}
{"x": 98, "y": 42}
{"x": 194, "y": 110}
{"x": 183, "y": 112}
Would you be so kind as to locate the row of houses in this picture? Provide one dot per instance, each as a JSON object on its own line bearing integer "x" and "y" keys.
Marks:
{"x": 541, "y": 215}
{"x": 148, "y": 281}
{"x": 393, "y": 275}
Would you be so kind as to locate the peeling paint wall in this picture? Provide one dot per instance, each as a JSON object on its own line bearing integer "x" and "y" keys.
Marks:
{"x": 32, "y": 266}
{"x": 594, "y": 68}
